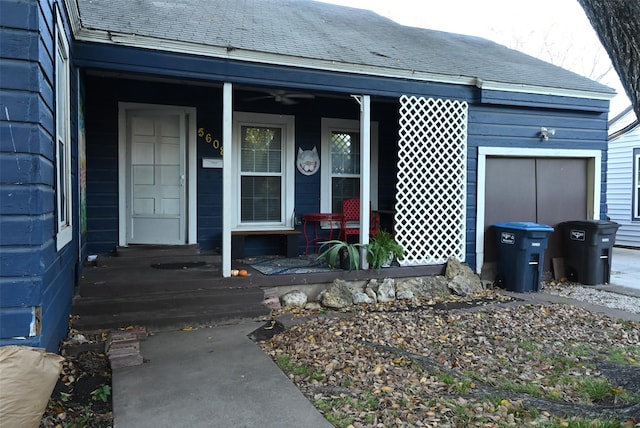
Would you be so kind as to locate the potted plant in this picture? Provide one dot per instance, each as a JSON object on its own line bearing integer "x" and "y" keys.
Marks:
{"x": 341, "y": 254}
{"x": 382, "y": 249}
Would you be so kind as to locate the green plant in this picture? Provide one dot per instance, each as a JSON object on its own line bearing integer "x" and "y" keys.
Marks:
{"x": 382, "y": 249}
{"x": 101, "y": 393}
{"x": 596, "y": 389}
{"x": 341, "y": 254}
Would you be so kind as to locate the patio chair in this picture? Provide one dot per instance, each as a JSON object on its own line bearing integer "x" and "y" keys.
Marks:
{"x": 350, "y": 224}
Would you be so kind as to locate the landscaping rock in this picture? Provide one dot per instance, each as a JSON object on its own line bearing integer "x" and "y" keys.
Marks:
{"x": 428, "y": 286}
{"x": 387, "y": 291}
{"x": 337, "y": 295}
{"x": 313, "y": 306}
{"x": 461, "y": 279}
{"x": 360, "y": 297}
{"x": 404, "y": 294}
{"x": 294, "y": 298}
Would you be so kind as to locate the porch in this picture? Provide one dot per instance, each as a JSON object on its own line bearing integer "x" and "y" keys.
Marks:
{"x": 164, "y": 287}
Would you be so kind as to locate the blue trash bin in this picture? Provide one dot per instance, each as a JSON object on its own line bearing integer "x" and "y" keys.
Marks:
{"x": 520, "y": 255}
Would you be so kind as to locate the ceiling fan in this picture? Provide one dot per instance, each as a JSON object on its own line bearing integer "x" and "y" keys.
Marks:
{"x": 283, "y": 97}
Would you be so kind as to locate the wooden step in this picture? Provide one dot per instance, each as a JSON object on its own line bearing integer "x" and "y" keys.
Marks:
{"x": 166, "y": 301}
{"x": 169, "y": 310}
{"x": 162, "y": 320}
{"x": 158, "y": 250}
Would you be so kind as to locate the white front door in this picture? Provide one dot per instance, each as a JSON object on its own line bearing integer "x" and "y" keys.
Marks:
{"x": 156, "y": 153}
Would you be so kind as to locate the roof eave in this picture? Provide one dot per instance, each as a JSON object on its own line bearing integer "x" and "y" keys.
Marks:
{"x": 233, "y": 53}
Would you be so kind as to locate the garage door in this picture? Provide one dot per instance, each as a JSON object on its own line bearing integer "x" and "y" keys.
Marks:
{"x": 541, "y": 190}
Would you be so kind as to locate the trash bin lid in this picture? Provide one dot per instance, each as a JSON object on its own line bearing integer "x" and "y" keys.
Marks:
{"x": 525, "y": 225}
{"x": 591, "y": 224}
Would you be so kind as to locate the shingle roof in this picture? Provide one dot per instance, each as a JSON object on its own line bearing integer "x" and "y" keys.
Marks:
{"x": 311, "y": 31}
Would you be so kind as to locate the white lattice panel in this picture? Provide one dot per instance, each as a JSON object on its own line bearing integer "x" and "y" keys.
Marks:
{"x": 431, "y": 191}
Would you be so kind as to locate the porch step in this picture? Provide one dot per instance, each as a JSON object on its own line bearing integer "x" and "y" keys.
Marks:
{"x": 169, "y": 310}
{"x": 158, "y": 250}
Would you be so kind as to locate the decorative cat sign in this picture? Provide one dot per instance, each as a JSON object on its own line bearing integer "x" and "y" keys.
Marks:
{"x": 308, "y": 161}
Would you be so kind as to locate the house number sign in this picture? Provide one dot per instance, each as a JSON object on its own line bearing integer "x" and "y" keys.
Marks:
{"x": 207, "y": 138}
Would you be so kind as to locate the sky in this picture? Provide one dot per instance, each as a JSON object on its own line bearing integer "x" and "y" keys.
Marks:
{"x": 556, "y": 31}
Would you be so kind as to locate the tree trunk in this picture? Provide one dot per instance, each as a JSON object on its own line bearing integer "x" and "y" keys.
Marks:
{"x": 617, "y": 23}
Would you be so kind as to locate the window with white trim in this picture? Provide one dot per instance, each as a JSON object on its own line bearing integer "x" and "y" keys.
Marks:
{"x": 341, "y": 163}
{"x": 264, "y": 167}
{"x": 62, "y": 138}
{"x": 636, "y": 184}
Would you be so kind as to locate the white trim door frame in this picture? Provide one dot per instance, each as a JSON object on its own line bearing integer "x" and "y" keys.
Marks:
{"x": 188, "y": 175}
{"x": 594, "y": 177}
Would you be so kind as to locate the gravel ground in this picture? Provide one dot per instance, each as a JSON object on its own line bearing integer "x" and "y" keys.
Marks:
{"x": 597, "y": 297}
{"x": 493, "y": 364}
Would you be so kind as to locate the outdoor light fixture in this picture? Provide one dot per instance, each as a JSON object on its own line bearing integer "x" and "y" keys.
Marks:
{"x": 545, "y": 133}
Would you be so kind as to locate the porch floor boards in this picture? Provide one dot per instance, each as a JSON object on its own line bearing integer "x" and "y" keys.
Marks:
{"x": 125, "y": 290}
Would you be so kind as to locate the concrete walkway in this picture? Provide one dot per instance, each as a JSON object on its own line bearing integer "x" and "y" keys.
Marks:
{"x": 625, "y": 271}
{"x": 206, "y": 378}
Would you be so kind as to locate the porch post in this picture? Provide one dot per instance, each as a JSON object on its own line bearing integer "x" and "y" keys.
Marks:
{"x": 227, "y": 179}
{"x": 365, "y": 174}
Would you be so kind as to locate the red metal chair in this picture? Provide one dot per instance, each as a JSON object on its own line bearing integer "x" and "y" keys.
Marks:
{"x": 350, "y": 224}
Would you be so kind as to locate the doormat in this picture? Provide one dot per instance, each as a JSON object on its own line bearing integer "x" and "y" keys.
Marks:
{"x": 178, "y": 266}
{"x": 280, "y": 265}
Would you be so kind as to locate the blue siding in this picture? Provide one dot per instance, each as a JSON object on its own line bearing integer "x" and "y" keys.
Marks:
{"x": 35, "y": 279}
{"x": 545, "y": 101}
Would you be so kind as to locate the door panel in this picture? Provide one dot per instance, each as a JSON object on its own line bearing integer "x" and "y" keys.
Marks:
{"x": 156, "y": 142}
{"x": 510, "y": 194}
{"x": 562, "y": 196}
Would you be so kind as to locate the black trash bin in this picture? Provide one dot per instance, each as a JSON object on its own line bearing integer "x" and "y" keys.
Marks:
{"x": 588, "y": 248}
{"x": 520, "y": 255}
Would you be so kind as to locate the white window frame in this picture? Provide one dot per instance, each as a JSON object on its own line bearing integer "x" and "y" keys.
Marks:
{"x": 64, "y": 224}
{"x": 287, "y": 190}
{"x": 635, "y": 215}
{"x": 352, "y": 126}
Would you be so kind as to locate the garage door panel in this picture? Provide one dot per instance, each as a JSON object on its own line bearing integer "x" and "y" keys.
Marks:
{"x": 562, "y": 196}
{"x": 510, "y": 194}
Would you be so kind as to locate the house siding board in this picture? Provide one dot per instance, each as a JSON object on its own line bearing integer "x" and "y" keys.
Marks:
{"x": 524, "y": 99}
{"x": 29, "y": 261}
{"x": 18, "y": 43}
{"x": 29, "y": 139}
{"x": 209, "y": 207}
{"x": 16, "y": 322}
{"x": 19, "y": 14}
{"x": 26, "y": 168}
{"x": 21, "y": 75}
{"x": 25, "y": 230}
{"x": 27, "y": 107}
{"x": 620, "y": 188}
{"x": 21, "y": 291}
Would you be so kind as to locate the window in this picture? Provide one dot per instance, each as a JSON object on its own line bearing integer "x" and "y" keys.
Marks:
{"x": 345, "y": 166}
{"x": 62, "y": 138}
{"x": 264, "y": 159}
{"x": 341, "y": 163}
{"x": 636, "y": 184}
